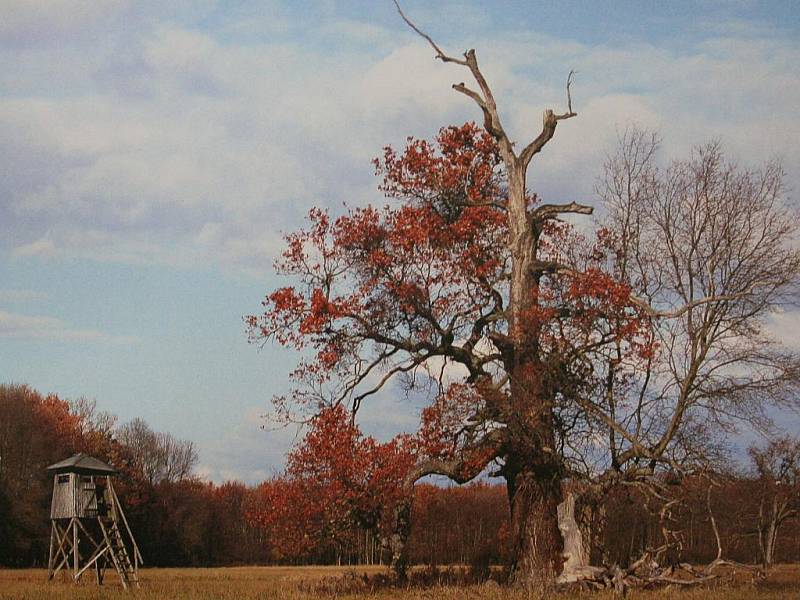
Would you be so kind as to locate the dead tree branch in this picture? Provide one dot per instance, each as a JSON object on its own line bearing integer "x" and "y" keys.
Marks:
{"x": 486, "y": 102}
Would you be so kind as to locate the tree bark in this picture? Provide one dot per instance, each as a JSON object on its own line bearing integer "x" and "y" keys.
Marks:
{"x": 772, "y": 534}
{"x": 533, "y": 470}
{"x": 536, "y": 554}
{"x": 767, "y": 532}
{"x": 533, "y": 473}
{"x": 398, "y": 540}
{"x": 576, "y": 540}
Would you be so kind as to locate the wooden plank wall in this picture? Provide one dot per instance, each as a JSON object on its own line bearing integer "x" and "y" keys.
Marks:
{"x": 63, "y": 504}
{"x": 86, "y": 506}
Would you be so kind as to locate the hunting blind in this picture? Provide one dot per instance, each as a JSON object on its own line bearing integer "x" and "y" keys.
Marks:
{"x": 88, "y": 526}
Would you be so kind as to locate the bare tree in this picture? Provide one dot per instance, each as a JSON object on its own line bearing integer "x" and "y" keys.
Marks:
{"x": 92, "y": 420}
{"x": 707, "y": 249}
{"x": 778, "y": 469}
{"x": 158, "y": 456}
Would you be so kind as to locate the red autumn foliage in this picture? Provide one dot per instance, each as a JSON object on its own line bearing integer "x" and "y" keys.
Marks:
{"x": 392, "y": 288}
{"x": 336, "y": 480}
{"x": 190, "y": 522}
{"x": 381, "y": 293}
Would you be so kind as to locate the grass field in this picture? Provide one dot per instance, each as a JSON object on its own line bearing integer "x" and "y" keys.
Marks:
{"x": 300, "y": 583}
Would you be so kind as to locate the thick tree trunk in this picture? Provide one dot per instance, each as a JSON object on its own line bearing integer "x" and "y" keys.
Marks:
{"x": 534, "y": 492}
{"x": 532, "y": 470}
{"x": 533, "y": 473}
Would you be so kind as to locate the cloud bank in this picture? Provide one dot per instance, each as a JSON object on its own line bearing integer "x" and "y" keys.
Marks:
{"x": 160, "y": 141}
{"x": 21, "y": 326}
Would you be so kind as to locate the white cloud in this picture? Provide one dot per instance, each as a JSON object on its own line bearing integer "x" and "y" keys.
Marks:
{"x": 187, "y": 147}
{"x": 350, "y": 31}
{"x": 14, "y": 325}
{"x": 247, "y": 453}
{"x": 785, "y": 326}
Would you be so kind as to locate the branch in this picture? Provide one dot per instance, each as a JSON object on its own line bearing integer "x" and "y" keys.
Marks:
{"x": 439, "y": 54}
{"x": 458, "y": 469}
{"x": 415, "y": 362}
{"x": 461, "y": 87}
{"x": 550, "y": 120}
{"x": 362, "y": 375}
{"x": 637, "y": 449}
{"x": 551, "y": 211}
{"x": 490, "y": 120}
{"x": 671, "y": 314}
{"x": 713, "y": 520}
{"x": 569, "y": 95}
{"x": 486, "y": 102}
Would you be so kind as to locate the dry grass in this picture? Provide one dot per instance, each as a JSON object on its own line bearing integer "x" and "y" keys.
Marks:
{"x": 300, "y": 583}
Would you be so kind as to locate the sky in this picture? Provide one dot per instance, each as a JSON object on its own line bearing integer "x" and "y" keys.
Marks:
{"x": 153, "y": 153}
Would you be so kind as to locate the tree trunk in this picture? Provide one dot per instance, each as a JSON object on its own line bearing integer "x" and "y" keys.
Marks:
{"x": 761, "y": 528}
{"x": 577, "y": 541}
{"x": 533, "y": 473}
{"x": 532, "y": 469}
{"x": 767, "y": 532}
{"x": 398, "y": 541}
{"x": 769, "y": 556}
{"x": 772, "y": 535}
{"x": 534, "y": 493}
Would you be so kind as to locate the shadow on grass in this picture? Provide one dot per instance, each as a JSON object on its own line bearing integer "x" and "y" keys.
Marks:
{"x": 419, "y": 578}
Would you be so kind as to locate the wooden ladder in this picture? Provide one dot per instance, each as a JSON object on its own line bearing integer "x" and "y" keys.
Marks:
{"x": 118, "y": 551}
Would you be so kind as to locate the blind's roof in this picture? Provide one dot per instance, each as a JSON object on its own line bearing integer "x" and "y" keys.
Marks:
{"x": 83, "y": 464}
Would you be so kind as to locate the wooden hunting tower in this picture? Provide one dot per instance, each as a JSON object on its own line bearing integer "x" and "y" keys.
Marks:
{"x": 87, "y": 522}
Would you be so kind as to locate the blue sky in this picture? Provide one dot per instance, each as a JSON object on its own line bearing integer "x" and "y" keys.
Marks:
{"x": 152, "y": 153}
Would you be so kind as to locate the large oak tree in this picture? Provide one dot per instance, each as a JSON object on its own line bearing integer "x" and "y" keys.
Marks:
{"x": 592, "y": 359}
{"x": 433, "y": 280}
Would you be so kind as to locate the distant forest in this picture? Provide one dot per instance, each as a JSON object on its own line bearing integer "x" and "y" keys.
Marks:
{"x": 180, "y": 520}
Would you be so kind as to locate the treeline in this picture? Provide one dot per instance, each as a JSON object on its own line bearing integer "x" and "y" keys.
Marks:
{"x": 468, "y": 525}
{"x": 710, "y": 512}
{"x": 177, "y": 518}
{"x": 180, "y": 520}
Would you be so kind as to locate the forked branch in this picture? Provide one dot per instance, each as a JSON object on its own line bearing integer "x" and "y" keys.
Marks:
{"x": 463, "y": 467}
{"x": 485, "y": 101}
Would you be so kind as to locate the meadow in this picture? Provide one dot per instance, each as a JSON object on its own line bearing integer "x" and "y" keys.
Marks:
{"x": 301, "y": 583}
